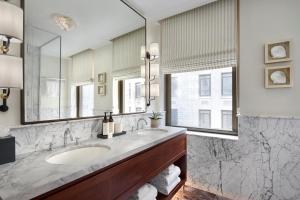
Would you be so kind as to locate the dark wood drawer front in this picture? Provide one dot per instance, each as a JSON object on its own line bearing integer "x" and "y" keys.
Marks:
{"x": 119, "y": 181}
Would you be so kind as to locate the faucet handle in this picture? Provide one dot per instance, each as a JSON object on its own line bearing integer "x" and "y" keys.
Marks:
{"x": 77, "y": 140}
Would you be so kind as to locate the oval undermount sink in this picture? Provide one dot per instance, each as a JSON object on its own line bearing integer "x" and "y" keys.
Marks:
{"x": 79, "y": 155}
{"x": 152, "y": 131}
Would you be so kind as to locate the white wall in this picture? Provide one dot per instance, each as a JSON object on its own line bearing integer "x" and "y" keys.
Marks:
{"x": 103, "y": 63}
{"x": 263, "y": 21}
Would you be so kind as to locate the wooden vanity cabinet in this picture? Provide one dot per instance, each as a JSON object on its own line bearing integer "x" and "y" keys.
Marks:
{"x": 122, "y": 179}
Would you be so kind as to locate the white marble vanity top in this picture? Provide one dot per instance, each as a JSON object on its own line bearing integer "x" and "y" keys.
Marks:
{"x": 30, "y": 175}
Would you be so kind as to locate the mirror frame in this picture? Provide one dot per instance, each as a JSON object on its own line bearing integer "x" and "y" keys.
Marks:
{"x": 68, "y": 119}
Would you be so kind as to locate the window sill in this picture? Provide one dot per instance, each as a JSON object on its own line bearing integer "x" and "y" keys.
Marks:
{"x": 213, "y": 135}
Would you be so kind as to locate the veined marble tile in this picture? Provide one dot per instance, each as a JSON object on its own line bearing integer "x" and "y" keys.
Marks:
{"x": 31, "y": 138}
{"x": 264, "y": 164}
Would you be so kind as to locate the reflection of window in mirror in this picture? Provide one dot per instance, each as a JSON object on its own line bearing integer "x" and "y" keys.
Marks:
{"x": 86, "y": 105}
{"x": 82, "y": 100}
{"x": 127, "y": 95}
{"x": 138, "y": 90}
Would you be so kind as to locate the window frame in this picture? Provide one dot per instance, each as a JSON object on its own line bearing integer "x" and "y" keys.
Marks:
{"x": 168, "y": 103}
{"x": 199, "y": 81}
{"x": 222, "y": 84}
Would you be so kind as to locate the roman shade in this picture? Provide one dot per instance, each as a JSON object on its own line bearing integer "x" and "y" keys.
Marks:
{"x": 83, "y": 67}
{"x": 126, "y": 54}
{"x": 200, "y": 39}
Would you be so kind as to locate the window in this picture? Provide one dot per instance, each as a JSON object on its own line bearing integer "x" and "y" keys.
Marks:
{"x": 204, "y": 85}
{"x": 204, "y": 66}
{"x": 174, "y": 87}
{"x": 226, "y": 119}
{"x": 227, "y": 84}
{"x": 86, "y": 105}
{"x": 204, "y": 119}
{"x": 132, "y": 100}
{"x": 189, "y": 109}
{"x": 138, "y": 90}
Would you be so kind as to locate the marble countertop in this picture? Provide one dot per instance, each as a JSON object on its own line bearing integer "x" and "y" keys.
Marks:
{"x": 30, "y": 175}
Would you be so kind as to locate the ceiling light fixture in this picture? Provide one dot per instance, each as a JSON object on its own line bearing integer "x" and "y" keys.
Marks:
{"x": 64, "y": 22}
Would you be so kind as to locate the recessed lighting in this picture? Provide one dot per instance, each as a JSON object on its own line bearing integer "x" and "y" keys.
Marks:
{"x": 64, "y": 22}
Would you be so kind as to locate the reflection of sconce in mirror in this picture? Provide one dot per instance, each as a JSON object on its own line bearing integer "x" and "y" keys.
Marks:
{"x": 152, "y": 72}
{"x": 11, "y": 31}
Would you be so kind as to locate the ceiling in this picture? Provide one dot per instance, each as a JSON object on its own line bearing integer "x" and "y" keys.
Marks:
{"x": 160, "y": 9}
{"x": 98, "y": 21}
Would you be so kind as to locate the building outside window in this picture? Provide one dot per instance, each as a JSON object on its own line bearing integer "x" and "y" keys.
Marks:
{"x": 227, "y": 84}
{"x": 226, "y": 119}
{"x": 205, "y": 85}
{"x": 189, "y": 109}
{"x": 205, "y": 119}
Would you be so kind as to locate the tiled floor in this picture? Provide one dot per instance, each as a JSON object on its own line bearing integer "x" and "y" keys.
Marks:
{"x": 189, "y": 193}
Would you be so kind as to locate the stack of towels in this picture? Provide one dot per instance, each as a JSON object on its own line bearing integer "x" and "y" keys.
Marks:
{"x": 146, "y": 192}
{"x": 167, "y": 180}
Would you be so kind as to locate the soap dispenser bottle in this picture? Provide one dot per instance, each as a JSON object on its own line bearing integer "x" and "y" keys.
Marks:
{"x": 105, "y": 125}
{"x": 111, "y": 124}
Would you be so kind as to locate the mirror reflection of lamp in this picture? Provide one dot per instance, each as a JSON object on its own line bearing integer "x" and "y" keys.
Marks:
{"x": 152, "y": 74}
{"x": 11, "y": 31}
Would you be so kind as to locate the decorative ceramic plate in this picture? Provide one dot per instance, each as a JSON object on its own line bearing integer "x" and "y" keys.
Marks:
{"x": 278, "y": 77}
{"x": 278, "y": 52}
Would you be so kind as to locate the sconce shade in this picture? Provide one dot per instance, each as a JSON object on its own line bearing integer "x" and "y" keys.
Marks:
{"x": 143, "y": 52}
{"x": 154, "y": 70}
{"x": 11, "y": 22}
{"x": 154, "y": 90}
{"x": 154, "y": 50}
{"x": 11, "y": 72}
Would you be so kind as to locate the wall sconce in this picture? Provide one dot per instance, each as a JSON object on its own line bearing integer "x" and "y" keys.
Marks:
{"x": 11, "y": 67}
{"x": 153, "y": 70}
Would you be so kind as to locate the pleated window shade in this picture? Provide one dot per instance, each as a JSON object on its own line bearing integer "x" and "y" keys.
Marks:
{"x": 83, "y": 67}
{"x": 200, "y": 39}
{"x": 126, "y": 54}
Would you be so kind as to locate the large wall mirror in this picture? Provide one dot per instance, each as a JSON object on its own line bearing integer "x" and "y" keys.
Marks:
{"x": 81, "y": 59}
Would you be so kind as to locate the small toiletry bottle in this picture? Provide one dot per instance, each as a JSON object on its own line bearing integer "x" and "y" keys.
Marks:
{"x": 105, "y": 125}
{"x": 111, "y": 124}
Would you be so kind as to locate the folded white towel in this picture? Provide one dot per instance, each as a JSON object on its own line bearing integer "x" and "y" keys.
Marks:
{"x": 166, "y": 180}
{"x": 146, "y": 192}
{"x": 168, "y": 170}
{"x": 166, "y": 190}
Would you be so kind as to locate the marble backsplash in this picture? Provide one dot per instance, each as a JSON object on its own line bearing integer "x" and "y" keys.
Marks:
{"x": 30, "y": 138}
{"x": 263, "y": 164}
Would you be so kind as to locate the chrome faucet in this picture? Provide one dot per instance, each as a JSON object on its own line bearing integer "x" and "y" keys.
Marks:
{"x": 51, "y": 143}
{"x": 138, "y": 122}
{"x": 66, "y": 133}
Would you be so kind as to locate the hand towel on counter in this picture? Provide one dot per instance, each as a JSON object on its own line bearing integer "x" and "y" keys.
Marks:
{"x": 166, "y": 180}
{"x": 4, "y": 131}
{"x": 146, "y": 192}
{"x": 167, "y": 189}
